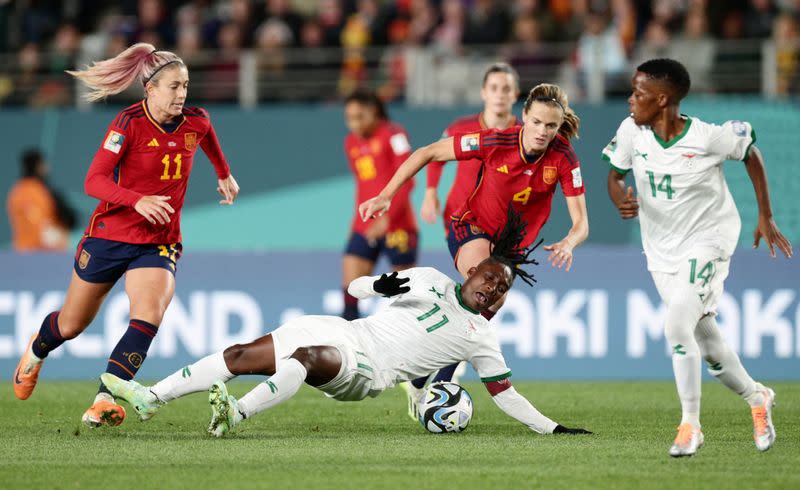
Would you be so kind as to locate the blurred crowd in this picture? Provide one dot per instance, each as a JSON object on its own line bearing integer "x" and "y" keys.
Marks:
{"x": 44, "y": 37}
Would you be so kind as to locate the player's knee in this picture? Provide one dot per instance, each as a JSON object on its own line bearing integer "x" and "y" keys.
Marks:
{"x": 233, "y": 354}
{"x": 316, "y": 356}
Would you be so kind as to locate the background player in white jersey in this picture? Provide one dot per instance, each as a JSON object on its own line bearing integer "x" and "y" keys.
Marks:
{"x": 433, "y": 323}
{"x": 690, "y": 227}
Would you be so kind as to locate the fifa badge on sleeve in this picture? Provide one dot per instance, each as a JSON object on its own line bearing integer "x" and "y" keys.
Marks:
{"x": 114, "y": 141}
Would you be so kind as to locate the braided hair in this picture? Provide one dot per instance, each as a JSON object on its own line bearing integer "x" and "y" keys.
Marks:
{"x": 506, "y": 247}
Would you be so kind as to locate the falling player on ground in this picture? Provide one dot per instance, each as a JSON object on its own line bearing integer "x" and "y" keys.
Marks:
{"x": 690, "y": 227}
{"x": 140, "y": 174}
{"x": 433, "y": 322}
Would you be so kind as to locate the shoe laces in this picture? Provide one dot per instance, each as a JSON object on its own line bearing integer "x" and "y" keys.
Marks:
{"x": 685, "y": 432}
{"x": 760, "y": 419}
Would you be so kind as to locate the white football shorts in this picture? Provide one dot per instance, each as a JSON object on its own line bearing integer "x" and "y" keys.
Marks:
{"x": 704, "y": 270}
{"x": 355, "y": 380}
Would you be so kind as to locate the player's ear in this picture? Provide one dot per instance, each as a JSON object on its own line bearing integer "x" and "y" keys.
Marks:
{"x": 471, "y": 271}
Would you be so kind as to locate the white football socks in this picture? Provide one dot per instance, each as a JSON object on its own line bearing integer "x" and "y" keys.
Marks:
{"x": 683, "y": 313}
{"x": 193, "y": 378}
{"x": 723, "y": 363}
{"x": 281, "y": 386}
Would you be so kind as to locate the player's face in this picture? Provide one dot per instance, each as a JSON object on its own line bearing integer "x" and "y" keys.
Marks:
{"x": 486, "y": 284}
{"x": 359, "y": 118}
{"x": 499, "y": 93}
{"x": 541, "y": 125}
{"x": 646, "y": 100}
{"x": 168, "y": 94}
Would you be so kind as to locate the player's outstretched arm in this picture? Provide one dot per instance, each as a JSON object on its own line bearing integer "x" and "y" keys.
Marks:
{"x": 766, "y": 228}
{"x": 375, "y": 207}
{"x": 561, "y": 252}
{"x": 386, "y": 285}
{"x": 622, "y": 198}
{"x": 518, "y": 407}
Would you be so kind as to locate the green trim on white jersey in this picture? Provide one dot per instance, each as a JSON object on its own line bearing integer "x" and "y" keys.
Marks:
{"x": 667, "y": 144}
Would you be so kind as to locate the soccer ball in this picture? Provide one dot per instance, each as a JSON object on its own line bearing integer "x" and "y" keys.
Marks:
{"x": 445, "y": 407}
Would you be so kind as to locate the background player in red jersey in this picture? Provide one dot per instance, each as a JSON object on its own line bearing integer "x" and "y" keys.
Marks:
{"x": 500, "y": 90}
{"x": 139, "y": 174}
{"x": 521, "y": 166}
{"x": 375, "y": 148}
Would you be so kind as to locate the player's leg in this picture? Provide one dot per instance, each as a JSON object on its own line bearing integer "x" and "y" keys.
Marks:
{"x": 725, "y": 365}
{"x": 315, "y": 365}
{"x": 150, "y": 290}
{"x": 683, "y": 310}
{"x": 358, "y": 260}
{"x": 256, "y": 357}
{"x": 84, "y": 297}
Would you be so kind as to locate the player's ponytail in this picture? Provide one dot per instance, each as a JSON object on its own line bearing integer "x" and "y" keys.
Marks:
{"x": 140, "y": 62}
{"x": 550, "y": 94}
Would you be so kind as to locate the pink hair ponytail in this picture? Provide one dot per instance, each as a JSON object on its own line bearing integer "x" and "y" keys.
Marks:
{"x": 112, "y": 76}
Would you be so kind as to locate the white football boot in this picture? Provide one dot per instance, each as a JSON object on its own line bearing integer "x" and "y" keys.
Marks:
{"x": 688, "y": 441}
{"x": 763, "y": 430}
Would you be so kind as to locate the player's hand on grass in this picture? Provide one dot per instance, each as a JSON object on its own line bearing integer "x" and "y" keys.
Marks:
{"x": 228, "y": 188}
{"x": 560, "y": 429}
{"x": 629, "y": 207}
{"x": 374, "y": 208}
{"x": 155, "y": 209}
{"x": 768, "y": 230}
{"x": 390, "y": 285}
{"x": 430, "y": 209}
{"x": 560, "y": 254}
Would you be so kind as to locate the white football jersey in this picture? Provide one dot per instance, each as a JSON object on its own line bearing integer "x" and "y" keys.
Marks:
{"x": 426, "y": 329}
{"x": 683, "y": 197}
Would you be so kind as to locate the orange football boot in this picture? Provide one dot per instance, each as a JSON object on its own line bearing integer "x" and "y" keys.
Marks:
{"x": 103, "y": 412}
{"x": 27, "y": 373}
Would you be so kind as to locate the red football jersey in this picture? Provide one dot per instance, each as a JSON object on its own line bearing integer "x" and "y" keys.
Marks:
{"x": 137, "y": 158}
{"x": 467, "y": 171}
{"x": 373, "y": 161}
{"x": 507, "y": 175}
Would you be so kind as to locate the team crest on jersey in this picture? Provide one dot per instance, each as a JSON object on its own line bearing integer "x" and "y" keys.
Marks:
{"x": 83, "y": 260}
{"x": 475, "y": 230}
{"x": 374, "y": 146}
{"x": 190, "y": 141}
{"x": 470, "y": 142}
{"x": 550, "y": 174}
{"x": 114, "y": 141}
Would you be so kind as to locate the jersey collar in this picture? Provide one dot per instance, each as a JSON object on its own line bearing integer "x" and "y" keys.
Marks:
{"x": 155, "y": 123}
{"x": 524, "y": 156}
{"x": 667, "y": 144}
{"x": 461, "y": 301}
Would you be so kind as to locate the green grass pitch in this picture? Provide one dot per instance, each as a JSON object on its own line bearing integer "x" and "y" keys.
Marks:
{"x": 314, "y": 442}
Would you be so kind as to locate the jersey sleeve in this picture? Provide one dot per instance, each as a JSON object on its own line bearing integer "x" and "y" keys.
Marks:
{"x": 467, "y": 146}
{"x": 419, "y": 277}
{"x": 434, "y": 169}
{"x": 99, "y": 182}
{"x": 732, "y": 140}
{"x": 212, "y": 149}
{"x": 400, "y": 149}
{"x": 488, "y": 361}
{"x": 569, "y": 173}
{"x": 618, "y": 152}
